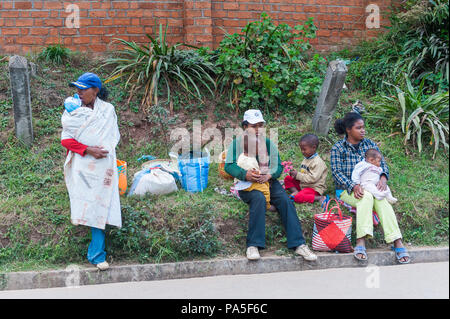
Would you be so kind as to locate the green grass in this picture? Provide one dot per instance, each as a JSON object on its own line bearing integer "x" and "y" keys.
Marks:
{"x": 35, "y": 228}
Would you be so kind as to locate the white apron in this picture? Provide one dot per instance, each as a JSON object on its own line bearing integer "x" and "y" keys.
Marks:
{"x": 93, "y": 184}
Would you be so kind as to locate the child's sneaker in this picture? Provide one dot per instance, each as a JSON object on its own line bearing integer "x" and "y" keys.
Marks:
{"x": 103, "y": 266}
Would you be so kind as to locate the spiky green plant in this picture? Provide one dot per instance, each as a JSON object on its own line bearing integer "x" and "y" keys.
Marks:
{"x": 56, "y": 54}
{"x": 155, "y": 67}
{"x": 419, "y": 116}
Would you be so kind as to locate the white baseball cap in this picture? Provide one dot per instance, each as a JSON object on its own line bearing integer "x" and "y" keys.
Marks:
{"x": 253, "y": 116}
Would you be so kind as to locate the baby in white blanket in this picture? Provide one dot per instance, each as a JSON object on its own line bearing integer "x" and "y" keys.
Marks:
{"x": 367, "y": 173}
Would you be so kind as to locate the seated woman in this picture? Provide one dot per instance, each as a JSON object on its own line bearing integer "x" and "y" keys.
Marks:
{"x": 266, "y": 153}
{"x": 345, "y": 154}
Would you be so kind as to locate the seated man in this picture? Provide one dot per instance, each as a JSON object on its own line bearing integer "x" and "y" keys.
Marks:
{"x": 267, "y": 154}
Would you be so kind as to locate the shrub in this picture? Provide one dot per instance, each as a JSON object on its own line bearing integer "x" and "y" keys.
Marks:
{"x": 415, "y": 44}
{"x": 265, "y": 66}
{"x": 55, "y": 54}
{"x": 419, "y": 116}
{"x": 157, "y": 67}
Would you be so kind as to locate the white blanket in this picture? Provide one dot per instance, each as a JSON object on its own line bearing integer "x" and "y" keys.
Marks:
{"x": 93, "y": 183}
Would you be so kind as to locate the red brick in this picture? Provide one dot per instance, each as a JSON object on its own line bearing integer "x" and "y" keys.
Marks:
{"x": 97, "y": 47}
{"x": 68, "y": 31}
{"x": 121, "y": 22}
{"x": 52, "y": 40}
{"x": 135, "y": 13}
{"x": 120, "y": 5}
{"x": 146, "y": 5}
{"x": 23, "y": 5}
{"x": 10, "y": 14}
{"x": 25, "y": 40}
{"x": 82, "y": 40}
{"x": 98, "y": 14}
{"x": 200, "y": 5}
{"x": 54, "y": 5}
{"x": 98, "y": 5}
{"x": 54, "y": 22}
{"x": 39, "y": 31}
{"x": 310, "y": 9}
{"x": 10, "y": 31}
{"x": 135, "y": 30}
{"x": 67, "y": 41}
{"x": 135, "y": 22}
{"x": 40, "y": 14}
{"x": 7, "y": 5}
{"x": 96, "y": 30}
{"x": 230, "y": 6}
{"x": 179, "y": 6}
{"x": 8, "y": 22}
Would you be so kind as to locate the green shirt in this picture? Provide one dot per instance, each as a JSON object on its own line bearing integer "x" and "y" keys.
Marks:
{"x": 236, "y": 148}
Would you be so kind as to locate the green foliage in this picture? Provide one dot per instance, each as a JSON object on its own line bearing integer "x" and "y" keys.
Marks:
{"x": 56, "y": 54}
{"x": 265, "y": 66}
{"x": 419, "y": 116}
{"x": 150, "y": 235}
{"x": 157, "y": 67}
{"x": 415, "y": 44}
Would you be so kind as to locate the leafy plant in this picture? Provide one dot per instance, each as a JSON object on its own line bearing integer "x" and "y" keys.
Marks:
{"x": 157, "y": 66}
{"x": 416, "y": 43}
{"x": 266, "y": 66}
{"x": 56, "y": 54}
{"x": 418, "y": 115}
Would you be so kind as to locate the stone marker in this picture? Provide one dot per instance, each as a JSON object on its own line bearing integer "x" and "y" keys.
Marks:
{"x": 20, "y": 89}
{"x": 329, "y": 96}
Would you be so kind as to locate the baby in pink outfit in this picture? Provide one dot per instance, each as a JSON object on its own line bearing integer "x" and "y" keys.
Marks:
{"x": 367, "y": 174}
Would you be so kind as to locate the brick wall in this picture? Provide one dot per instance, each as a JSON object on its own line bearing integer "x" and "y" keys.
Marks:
{"x": 29, "y": 25}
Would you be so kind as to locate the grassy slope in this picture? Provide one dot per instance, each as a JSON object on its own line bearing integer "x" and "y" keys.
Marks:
{"x": 35, "y": 229}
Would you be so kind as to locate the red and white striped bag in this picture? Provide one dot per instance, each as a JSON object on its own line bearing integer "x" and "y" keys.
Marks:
{"x": 332, "y": 232}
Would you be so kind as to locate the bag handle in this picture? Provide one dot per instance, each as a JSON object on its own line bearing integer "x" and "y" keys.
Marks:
{"x": 339, "y": 211}
{"x": 337, "y": 206}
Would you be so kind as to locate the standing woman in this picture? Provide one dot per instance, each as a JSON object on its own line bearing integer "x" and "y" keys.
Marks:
{"x": 345, "y": 154}
{"x": 90, "y": 134}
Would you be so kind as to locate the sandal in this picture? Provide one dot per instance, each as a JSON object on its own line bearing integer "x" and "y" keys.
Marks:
{"x": 400, "y": 253}
{"x": 360, "y": 250}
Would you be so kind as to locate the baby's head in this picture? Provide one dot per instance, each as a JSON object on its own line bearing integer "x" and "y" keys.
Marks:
{"x": 309, "y": 144}
{"x": 373, "y": 157}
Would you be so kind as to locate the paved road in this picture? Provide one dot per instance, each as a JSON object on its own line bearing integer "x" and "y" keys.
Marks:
{"x": 426, "y": 280}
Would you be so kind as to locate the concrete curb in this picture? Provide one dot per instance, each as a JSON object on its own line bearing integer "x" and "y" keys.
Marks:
{"x": 74, "y": 276}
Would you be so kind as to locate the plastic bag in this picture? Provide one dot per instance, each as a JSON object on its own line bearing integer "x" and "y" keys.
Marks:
{"x": 194, "y": 169}
{"x": 153, "y": 181}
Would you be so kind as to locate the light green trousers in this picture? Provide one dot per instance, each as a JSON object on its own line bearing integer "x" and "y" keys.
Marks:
{"x": 364, "y": 221}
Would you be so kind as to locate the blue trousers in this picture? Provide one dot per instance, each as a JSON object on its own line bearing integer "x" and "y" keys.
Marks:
{"x": 96, "y": 250}
{"x": 256, "y": 234}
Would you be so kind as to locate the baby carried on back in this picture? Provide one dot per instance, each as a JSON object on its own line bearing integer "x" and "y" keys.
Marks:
{"x": 92, "y": 183}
